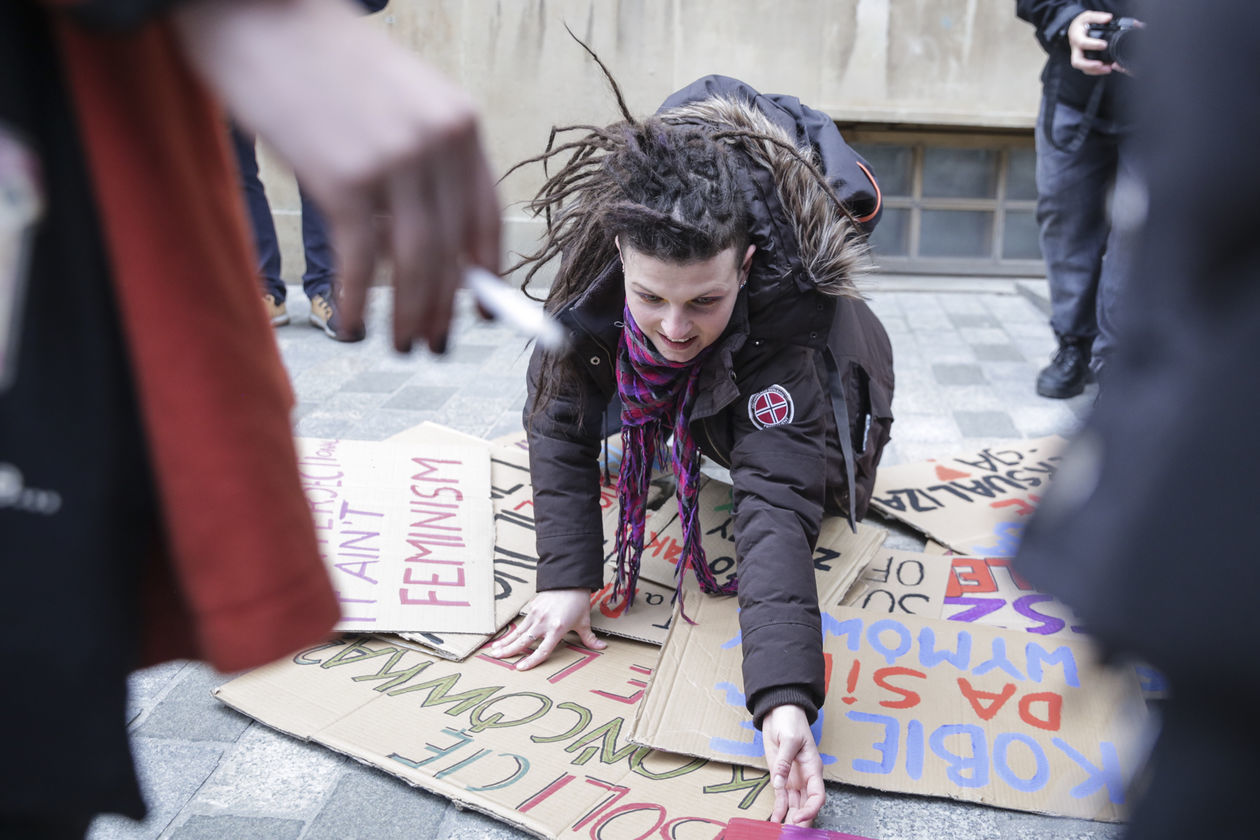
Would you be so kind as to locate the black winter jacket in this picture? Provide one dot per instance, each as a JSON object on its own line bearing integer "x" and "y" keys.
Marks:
{"x": 781, "y": 332}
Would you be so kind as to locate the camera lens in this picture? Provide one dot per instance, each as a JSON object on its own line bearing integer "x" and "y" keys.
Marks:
{"x": 1123, "y": 46}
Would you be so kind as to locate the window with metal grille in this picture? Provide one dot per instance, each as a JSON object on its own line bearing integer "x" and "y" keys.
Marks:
{"x": 954, "y": 203}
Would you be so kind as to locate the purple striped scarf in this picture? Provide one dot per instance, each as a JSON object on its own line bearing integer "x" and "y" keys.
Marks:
{"x": 656, "y": 399}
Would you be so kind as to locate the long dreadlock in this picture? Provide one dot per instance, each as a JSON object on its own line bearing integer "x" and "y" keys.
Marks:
{"x": 667, "y": 185}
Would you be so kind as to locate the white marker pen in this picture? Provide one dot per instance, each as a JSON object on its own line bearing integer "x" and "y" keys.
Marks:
{"x": 513, "y": 308}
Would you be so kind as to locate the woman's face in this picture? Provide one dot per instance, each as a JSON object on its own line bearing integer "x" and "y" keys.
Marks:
{"x": 682, "y": 308}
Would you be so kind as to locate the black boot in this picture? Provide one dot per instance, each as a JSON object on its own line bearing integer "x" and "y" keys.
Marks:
{"x": 1067, "y": 372}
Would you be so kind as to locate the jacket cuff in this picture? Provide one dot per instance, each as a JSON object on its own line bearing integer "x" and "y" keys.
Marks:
{"x": 572, "y": 561}
{"x": 771, "y": 698}
{"x": 1057, "y": 26}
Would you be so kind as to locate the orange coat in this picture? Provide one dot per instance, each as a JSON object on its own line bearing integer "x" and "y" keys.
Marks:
{"x": 238, "y": 579}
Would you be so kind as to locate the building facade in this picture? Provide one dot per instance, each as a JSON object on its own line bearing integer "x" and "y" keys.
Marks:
{"x": 939, "y": 95}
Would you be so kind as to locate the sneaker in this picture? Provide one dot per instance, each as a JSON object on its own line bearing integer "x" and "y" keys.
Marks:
{"x": 324, "y": 316}
{"x": 276, "y": 312}
{"x": 1067, "y": 372}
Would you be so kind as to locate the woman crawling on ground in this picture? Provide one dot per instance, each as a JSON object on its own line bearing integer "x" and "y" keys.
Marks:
{"x": 706, "y": 282}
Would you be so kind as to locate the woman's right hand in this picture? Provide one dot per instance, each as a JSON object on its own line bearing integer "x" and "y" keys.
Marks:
{"x": 551, "y": 614}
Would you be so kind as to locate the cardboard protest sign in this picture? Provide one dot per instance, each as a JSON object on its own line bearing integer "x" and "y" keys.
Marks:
{"x": 987, "y": 590}
{"x": 975, "y": 503}
{"x": 402, "y": 530}
{"x": 544, "y": 749}
{"x": 902, "y": 583}
{"x": 920, "y": 706}
{"x": 840, "y": 555}
{"x": 514, "y": 562}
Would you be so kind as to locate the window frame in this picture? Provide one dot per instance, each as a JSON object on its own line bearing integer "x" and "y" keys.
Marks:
{"x": 918, "y": 140}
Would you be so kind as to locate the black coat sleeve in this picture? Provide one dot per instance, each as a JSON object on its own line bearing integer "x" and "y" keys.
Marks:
{"x": 778, "y": 490}
{"x": 564, "y": 437}
{"x": 1050, "y": 17}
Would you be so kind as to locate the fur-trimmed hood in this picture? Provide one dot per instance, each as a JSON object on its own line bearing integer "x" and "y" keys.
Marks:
{"x": 830, "y": 237}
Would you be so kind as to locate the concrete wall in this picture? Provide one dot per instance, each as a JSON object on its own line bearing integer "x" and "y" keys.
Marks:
{"x": 903, "y": 62}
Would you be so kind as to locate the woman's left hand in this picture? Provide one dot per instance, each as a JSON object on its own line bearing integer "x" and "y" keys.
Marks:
{"x": 795, "y": 766}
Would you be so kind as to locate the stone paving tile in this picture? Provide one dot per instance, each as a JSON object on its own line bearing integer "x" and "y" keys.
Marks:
{"x": 201, "y": 827}
{"x": 971, "y": 398}
{"x": 146, "y": 686}
{"x": 1015, "y": 825}
{"x": 931, "y": 819}
{"x": 170, "y": 774}
{"x": 377, "y": 381}
{"x": 1052, "y": 417}
{"x": 895, "y": 324}
{"x": 932, "y": 339}
{"x": 385, "y": 423}
{"x": 369, "y": 803}
{"x": 985, "y": 424}
{"x": 960, "y": 304}
{"x": 190, "y": 713}
{"x": 471, "y": 825}
{"x": 472, "y": 414}
{"x": 337, "y": 414}
{"x": 997, "y": 352}
{"x": 420, "y": 398}
{"x": 973, "y": 319}
{"x": 916, "y": 399}
{"x": 984, "y": 335}
{"x": 936, "y": 428}
{"x": 1030, "y": 329}
{"x": 268, "y": 774}
{"x": 954, "y": 374}
{"x": 1014, "y": 309}
{"x": 928, "y": 319}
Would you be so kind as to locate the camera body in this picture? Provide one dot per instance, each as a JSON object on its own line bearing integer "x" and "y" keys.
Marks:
{"x": 1118, "y": 34}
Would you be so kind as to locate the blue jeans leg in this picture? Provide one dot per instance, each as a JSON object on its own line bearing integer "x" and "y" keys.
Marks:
{"x": 1072, "y": 191}
{"x": 265, "y": 244}
{"x": 320, "y": 264}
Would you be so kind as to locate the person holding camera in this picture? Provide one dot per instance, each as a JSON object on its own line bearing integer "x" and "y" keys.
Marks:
{"x": 1081, "y": 156}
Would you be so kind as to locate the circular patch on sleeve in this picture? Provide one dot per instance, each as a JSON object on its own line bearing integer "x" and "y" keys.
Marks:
{"x": 771, "y": 407}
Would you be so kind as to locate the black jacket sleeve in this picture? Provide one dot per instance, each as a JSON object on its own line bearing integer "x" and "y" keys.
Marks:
{"x": 564, "y": 438}
{"x": 1050, "y": 17}
{"x": 779, "y": 487}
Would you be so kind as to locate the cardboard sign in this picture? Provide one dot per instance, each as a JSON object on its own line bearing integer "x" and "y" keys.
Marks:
{"x": 515, "y": 562}
{"x": 902, "y": 583}
{"x": 920, "y": 706}
{"x": 977, "y": 503}
{"x": 545, "y": 749}
{"x": 402, "y": 530}
{"x": 515, "y": 553}
{"x": 839, "y": 558}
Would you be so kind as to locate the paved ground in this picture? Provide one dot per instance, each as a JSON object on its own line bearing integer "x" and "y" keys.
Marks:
{"x": 966, "y": 355}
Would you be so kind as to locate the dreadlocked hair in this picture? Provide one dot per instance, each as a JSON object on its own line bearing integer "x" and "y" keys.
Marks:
{"x": 668, "y": 186}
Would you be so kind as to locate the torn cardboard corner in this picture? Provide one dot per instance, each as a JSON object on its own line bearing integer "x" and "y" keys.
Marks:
{"x": 544, "y": 750}
{"x": 975, "y": 503}
{"x": 839, "y": 557}
{"x": 921, "y": 706}
{"x": 515, "y": 563}
{"x": 402, "y": 529}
